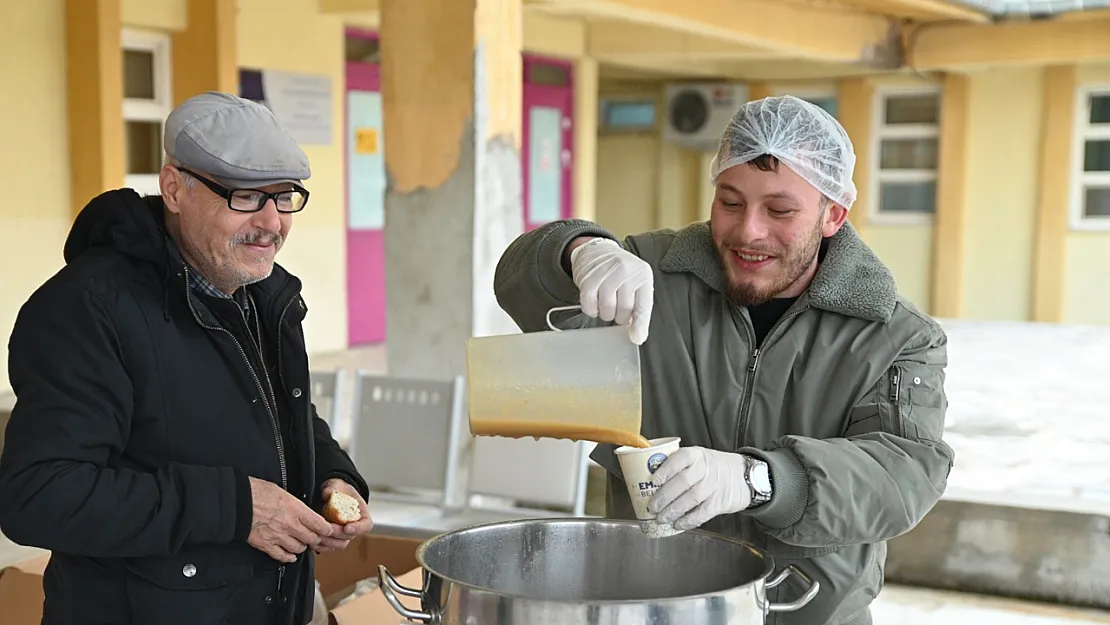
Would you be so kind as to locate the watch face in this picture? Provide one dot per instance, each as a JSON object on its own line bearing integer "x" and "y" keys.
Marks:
{"x": 760, "y": 478}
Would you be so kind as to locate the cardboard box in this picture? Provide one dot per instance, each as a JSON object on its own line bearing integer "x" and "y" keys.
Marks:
{"x": 21, "y": 593}
{"x": 339, "y": 571}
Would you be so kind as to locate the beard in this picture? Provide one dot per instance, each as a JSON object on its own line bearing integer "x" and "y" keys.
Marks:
{"x": 788, "y": 268}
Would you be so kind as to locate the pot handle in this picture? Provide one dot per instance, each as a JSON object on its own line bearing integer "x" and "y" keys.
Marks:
{"x": 798, "y": 603}
{"x": 556, "y": 309}
{"x": 391, "y": 588}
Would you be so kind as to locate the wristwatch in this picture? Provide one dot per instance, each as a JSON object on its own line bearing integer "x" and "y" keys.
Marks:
{"x": 758, "y": 477}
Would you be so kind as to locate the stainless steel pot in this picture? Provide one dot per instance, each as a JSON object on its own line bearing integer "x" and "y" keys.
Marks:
{"x": 586, "y": 571}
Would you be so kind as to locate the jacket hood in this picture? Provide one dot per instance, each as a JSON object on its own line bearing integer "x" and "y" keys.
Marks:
{"x": 124, "y": 221}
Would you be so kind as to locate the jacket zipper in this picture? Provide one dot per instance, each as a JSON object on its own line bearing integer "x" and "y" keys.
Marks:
{"x": 281, "y": 376}
{"x": 254, "y": 374}
{"x": 895, "y": 386}
{"x": 261, "y": 354}
{"x": 746, "y": 404}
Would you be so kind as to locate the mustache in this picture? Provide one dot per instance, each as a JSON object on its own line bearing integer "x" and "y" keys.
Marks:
{"x": 727, "y": 246}
{"x": 258, "y": 237}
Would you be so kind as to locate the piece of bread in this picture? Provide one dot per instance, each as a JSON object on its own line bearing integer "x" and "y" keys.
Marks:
{"x": 342, "y": 509}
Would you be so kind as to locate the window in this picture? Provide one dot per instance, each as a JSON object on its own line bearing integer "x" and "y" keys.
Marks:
{"x": 362, "y": 47}
{"x": 628, "y": 115}
{"x": 1091, "y": 201}
{"x": 905, "y": 155}
{"x": 823, "y": 96}
{"x": 146, "y": 103}
{"x": 827, "y": 103}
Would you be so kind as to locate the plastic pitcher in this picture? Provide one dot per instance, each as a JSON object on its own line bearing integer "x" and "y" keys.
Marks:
{"x": 574, "y": 384}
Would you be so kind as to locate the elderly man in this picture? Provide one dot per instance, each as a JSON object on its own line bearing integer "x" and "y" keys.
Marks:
{"x": 163, "y": 443}
{"x": 809, "y": 396}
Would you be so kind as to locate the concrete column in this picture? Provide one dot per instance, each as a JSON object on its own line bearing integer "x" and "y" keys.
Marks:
{"x": 855, "y": 104}
{"x": 205, "y": 57}
{"x": 950, "y": 221}
{"x": 451, "y": 91}
{"x": 1057, "y": 168}
{"x": 585, "y": 138}
{"x": 94, "y": 89}
{"x": 759, "y": 90}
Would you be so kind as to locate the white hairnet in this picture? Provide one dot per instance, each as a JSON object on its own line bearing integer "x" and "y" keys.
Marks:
{"x": 801, "y": 135}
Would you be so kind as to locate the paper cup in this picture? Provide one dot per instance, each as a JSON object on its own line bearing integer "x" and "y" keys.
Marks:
{"x": 638, "y": 465}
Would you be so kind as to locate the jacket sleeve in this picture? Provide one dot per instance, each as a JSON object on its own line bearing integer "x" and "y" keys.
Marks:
{"x": 883, "y": 476}
{"x": 332, "y": 461}
{"x": 63, "y": 485}
{"x": 530, "y": 278}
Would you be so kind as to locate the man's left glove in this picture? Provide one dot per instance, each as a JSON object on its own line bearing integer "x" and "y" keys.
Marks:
{"x": 696, "y": 484}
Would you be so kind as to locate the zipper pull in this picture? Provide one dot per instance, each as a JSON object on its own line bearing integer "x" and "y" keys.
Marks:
{"x": 755, "y": 361}
{"x": 281, "y": 576}
{"x": 894, "y": 386}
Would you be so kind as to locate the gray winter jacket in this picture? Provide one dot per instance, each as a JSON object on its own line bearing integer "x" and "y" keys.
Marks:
{"x": 844, "y": 399}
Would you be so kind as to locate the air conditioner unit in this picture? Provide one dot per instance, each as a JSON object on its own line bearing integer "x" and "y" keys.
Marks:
{"x": 696, "y": 114}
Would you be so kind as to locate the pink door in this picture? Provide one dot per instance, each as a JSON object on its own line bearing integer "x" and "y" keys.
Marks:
{"x": 547, "y": 153}
{"x": 365, "y": 200}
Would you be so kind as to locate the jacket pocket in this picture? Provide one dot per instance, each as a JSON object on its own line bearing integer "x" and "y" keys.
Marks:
{"x": 206, "y": 585}
{"x": 916, "y": 403}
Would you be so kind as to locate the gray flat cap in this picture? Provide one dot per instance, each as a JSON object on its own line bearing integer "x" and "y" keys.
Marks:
{"x": 238, "y": 142}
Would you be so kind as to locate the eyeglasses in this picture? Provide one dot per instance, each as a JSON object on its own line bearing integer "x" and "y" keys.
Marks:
{"x": 253, "y": 200}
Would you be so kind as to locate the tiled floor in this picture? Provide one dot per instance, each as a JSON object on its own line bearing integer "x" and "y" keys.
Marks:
{"x": 914, "y": 606}
{"x": 1028, "y": 414}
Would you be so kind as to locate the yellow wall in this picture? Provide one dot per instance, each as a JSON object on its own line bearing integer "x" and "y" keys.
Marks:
{"x": 316, "y": 250}
{"x": 644, "y": 183}
{"x": 34, "y": 163}
{"x": 168, "y": 15}
{"x": 1087, "y": 255}
{"x": 1001, "y": 193}
{"x": 906, "y": 249}
{"x": 626, "y": 194}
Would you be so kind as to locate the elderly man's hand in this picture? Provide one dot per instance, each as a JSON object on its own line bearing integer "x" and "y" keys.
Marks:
{"x": 342, "y": 535}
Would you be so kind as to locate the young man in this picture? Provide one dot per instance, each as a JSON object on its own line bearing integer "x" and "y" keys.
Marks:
{"x": 809, "y": 396}
{"x": 163, "y": 443}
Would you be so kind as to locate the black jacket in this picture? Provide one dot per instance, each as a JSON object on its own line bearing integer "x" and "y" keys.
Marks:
{"x": 137, "y": 423}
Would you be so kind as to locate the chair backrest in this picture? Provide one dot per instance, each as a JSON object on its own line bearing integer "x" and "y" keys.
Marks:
{"x": 546, "y": 472}
{"x": 408, "y": 439}
{"x": 326, "y": 389}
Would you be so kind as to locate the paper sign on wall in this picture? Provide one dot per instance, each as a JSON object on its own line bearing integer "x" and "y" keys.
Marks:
{"x": 366, "y": 140}
{"x": 302, "y": 103}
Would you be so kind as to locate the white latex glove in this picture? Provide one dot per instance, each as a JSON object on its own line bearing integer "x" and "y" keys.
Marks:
{"x": 699, "y": 484}
{"x": 614, "y": 285}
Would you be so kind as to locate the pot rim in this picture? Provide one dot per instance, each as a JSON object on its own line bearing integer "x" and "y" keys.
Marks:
{"x": 767, "y": 558}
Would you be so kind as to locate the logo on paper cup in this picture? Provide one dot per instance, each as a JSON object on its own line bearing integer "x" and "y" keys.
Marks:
{"x": 655, "y": 461}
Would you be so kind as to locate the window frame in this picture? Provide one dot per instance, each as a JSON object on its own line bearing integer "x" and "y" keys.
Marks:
{"x": 880, "y": 131}
{"x": 809, "y": 93}
{"x": 1083, "y": 132}
{"x": 153, "y": 110}
{"x": 605, "y": 129}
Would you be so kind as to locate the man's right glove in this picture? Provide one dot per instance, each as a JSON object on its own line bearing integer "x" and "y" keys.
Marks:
{"x": 614, "y": 285}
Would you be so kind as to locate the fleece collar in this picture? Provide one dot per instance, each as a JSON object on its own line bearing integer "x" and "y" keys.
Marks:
{"x": 850, "y": 281}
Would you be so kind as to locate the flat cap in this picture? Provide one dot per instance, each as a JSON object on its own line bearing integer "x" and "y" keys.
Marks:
{"x": 239, "y": 143}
